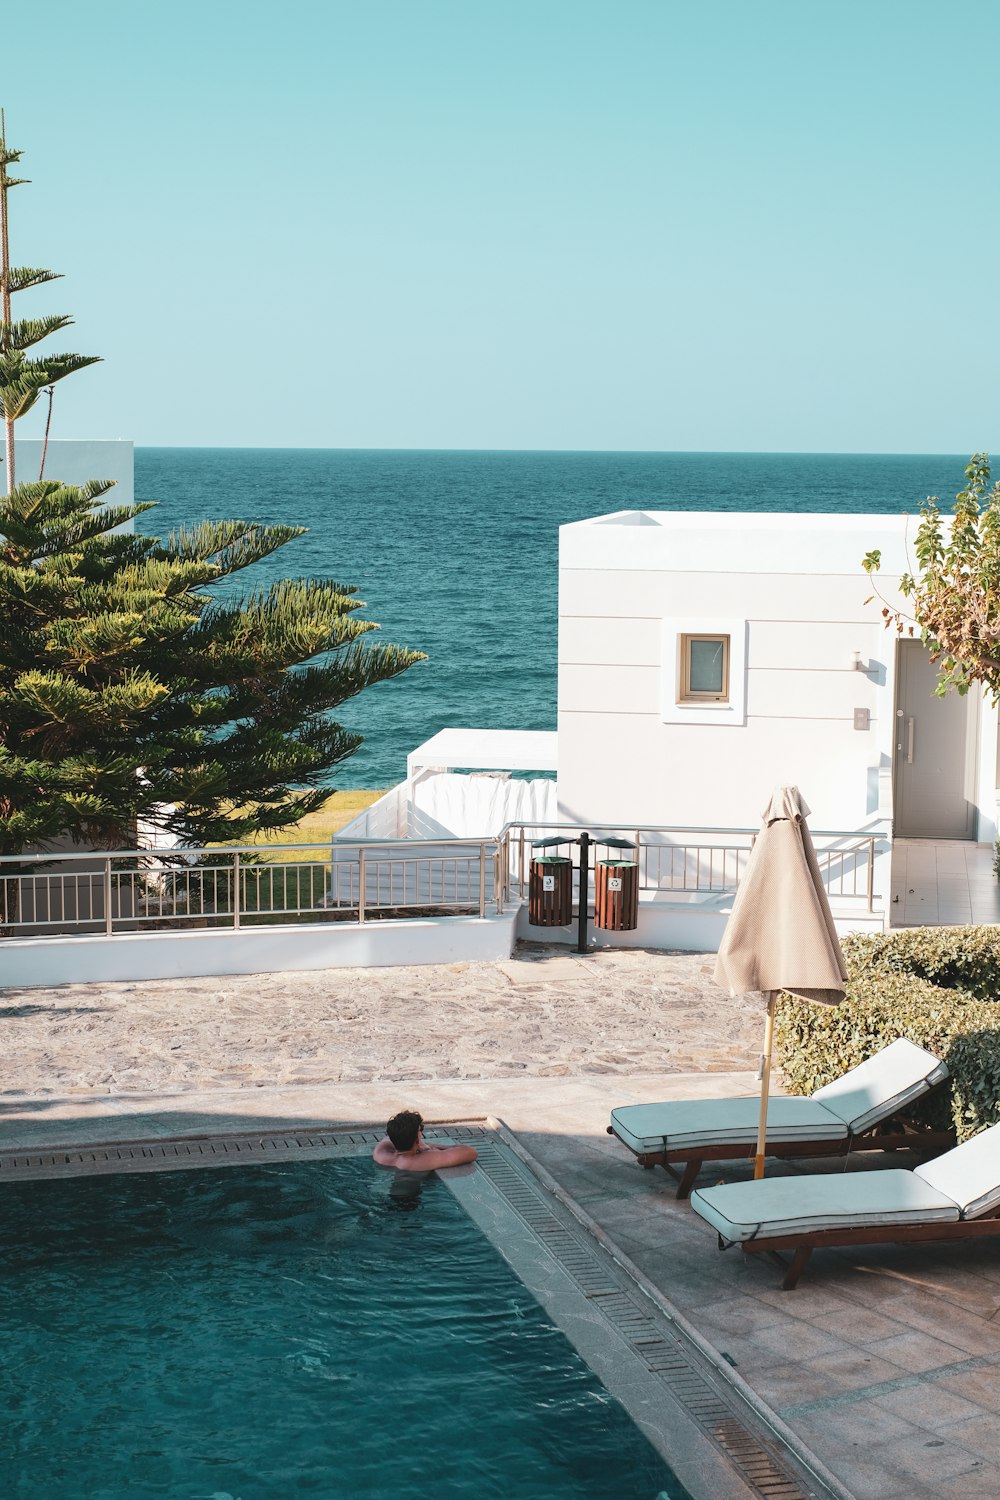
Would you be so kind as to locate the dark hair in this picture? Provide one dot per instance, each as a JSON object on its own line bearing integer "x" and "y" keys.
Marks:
{"x": 404, "y": 1128}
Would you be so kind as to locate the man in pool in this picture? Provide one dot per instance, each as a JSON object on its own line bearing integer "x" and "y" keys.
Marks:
{"x": 404, "y": 1147}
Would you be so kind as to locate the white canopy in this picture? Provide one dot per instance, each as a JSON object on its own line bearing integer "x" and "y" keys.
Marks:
{"x": 486, "y": 750}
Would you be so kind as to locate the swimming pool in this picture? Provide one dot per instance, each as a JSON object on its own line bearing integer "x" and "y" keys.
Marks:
{"x": 314, "y": 1328}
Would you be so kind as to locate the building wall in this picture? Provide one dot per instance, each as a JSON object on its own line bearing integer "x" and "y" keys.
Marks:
{"x": 793, "y": 588}
{"x": 76, "y": 460}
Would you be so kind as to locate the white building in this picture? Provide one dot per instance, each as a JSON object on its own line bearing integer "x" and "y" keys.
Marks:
{"x": 706, "y": 657}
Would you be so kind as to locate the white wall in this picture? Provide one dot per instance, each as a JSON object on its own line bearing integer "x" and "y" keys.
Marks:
{"x": 797, "y": 582}
{"x": 696, "y": 927}
{"x": 74, "y": 461}
{"x": 43, "y": 962}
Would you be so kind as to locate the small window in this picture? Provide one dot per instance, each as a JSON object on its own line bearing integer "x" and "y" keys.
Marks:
{"x": 704, "y": 669}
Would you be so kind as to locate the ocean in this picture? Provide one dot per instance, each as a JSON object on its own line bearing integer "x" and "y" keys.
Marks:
{"x": 456, "y": 553}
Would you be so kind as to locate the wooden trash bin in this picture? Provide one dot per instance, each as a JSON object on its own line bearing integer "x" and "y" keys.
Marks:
{"x": 550, "y": 892}
{"x": 616, "y": 895}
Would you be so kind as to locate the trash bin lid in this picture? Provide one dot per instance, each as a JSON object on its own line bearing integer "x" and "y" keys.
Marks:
{"x": 614, "y": 843}
{"x": 550, "y": 843}
{"x": 552, "y": 859}
{"x": 616, "y": 864}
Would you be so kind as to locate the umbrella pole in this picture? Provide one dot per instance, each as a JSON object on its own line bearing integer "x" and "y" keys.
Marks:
{"x": 765, "y": 1083}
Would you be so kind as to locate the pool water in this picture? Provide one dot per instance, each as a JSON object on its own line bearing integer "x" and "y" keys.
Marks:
{"x": 321, "y": 1328}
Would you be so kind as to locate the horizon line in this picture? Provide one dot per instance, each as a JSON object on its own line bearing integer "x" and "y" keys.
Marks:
{"x": 638, "y": 452}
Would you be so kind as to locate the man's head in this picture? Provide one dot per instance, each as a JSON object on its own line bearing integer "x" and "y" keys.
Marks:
{"x": 404, "y": 1128}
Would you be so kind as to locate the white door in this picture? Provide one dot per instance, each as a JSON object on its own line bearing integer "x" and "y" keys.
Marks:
{"x": 935, "y": 753}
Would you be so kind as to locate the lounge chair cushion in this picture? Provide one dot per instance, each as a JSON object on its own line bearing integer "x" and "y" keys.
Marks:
{"x": 871, "y": 1092}
{"x": 809, "y": 1205}
{"x": 687, "y": 1124}
{"x": 970, "y": 1174}
{"x": 882, "y": 1085}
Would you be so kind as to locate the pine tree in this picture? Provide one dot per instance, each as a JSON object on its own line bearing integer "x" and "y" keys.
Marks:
{"x": 129, "y": 690}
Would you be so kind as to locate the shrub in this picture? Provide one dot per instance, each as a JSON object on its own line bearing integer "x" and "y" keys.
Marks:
{"x": 963, "y": 958}
{"x": 890, "y": 995}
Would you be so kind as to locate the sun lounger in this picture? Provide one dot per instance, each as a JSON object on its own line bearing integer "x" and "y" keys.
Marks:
{"x": 956, "y": 1196}
{"x": 862, "y": 1111}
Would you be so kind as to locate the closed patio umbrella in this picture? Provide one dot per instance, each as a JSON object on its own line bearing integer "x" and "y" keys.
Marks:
{"x": 780, "y": 934}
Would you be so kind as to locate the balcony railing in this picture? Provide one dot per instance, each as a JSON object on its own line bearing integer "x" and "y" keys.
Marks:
{"x": 129, "y": 891}
{"x": 140, "y": 891}
{"x": 687, "y": 863}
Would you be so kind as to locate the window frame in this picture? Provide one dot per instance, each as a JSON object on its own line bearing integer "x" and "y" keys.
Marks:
{"x": 685, "y": 692}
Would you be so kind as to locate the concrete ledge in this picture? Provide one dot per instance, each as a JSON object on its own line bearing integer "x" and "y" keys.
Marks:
{"x": 38, "y": 963}
{"x": 694, "y": 925}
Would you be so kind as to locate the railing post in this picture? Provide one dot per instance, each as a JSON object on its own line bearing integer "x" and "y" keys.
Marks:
{"x": 482, "y": 880}
{"x": 498, "y": 874}
{"x": 236, "y": 892}
{"x": 361, "y": 885}
{"x": 871, "y": 874}
{"x": 520, "y": 863}
{"x": 108, "y": 920}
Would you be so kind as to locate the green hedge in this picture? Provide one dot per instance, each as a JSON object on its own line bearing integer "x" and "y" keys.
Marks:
{"x": 957, "y": 958}
{"x": 889, "y": 995}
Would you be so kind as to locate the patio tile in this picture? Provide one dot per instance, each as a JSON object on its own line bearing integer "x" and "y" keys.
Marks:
{"x": 980, "y": 1434}
{"x": 851, "y": 1368}
{"x": 928, "y": 1405}
{"x": 862, "y": 1426}
{"x": 786, "y": 1385}
{"x": 926, "y": 1459}
{"x": 739, "y": 1314}
{"x": 745, "y": 1352}
{"x": 861, "y": 1452}
{"x": 981, "y": 1386}
{"x": 917, "y": 1351}
{"x": 854, "y": 1330}
{"x": 813, "y": 1303}
{"x": 952, "y": 1325}
{"x": 807, "y": 1342}
{"x": 982, "y": 1483}
{"x": 867, "y": 1478}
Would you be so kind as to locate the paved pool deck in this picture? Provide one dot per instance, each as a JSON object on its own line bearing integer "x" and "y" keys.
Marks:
{"x": 885, "y": 1360}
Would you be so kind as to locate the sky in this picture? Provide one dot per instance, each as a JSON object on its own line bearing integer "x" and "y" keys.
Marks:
{"x": 745, "y": 225}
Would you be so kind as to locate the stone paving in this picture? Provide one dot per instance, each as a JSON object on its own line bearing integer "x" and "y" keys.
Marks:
{"x": 546, "y": 1014}
{"x": 885, "y": 1360}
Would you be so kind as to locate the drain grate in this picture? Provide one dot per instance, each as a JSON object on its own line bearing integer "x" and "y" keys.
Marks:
{"x": 175, "y": 1155}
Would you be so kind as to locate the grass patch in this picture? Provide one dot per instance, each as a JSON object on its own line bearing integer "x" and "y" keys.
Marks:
{"x": 319, "y": 827}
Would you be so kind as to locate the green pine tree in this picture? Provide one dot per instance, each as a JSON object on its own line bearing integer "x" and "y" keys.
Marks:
{"x": 129, "y": 690}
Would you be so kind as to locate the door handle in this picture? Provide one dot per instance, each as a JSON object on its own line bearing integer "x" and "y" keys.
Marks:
{"x": 909, "y": 742}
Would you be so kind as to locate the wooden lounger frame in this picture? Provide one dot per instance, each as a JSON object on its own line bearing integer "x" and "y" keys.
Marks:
{"x": 804, "y": 1244}
{"x": 905, "y": 1136}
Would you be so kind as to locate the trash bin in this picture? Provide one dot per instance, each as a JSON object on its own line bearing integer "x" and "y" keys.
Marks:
{"x": 616, "y": 895}
{"x": 550, "y": 892}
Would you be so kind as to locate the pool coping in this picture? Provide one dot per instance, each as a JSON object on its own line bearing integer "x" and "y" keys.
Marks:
{"x": 718, "y": 1411}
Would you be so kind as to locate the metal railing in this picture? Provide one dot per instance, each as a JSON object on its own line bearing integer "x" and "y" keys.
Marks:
{"x": 693, "y": 862}
{"x": 136, "y": 890}
{"x": 133, "y": 890}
